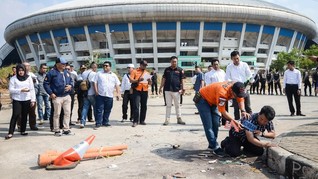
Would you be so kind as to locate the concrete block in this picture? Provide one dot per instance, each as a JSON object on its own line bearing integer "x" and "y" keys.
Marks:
{"x": 276, "y": 159}
{"x": 300, "y": 167}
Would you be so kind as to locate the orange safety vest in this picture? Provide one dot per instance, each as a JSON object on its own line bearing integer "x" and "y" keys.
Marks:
{"x": 135, "y": 74}
{"x": 218, "y": 93}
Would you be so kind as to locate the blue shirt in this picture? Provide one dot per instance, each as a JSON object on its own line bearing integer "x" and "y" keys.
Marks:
{"x": 198, "y": 80}
{"x": 55, "y": 82}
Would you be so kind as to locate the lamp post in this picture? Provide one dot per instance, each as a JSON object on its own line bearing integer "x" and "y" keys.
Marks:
{"x": 107, "y": 36}
{"x": 39, "y": 55}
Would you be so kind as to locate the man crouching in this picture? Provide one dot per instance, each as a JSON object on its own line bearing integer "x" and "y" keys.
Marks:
{"x": 253, "y": 127}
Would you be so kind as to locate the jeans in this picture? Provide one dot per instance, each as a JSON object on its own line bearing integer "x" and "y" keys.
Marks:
{"x": 88, "y": 102}
{"x": 104, "y": 106}
{"x": 40, "y": 99}
{"x": 210, "y": 120}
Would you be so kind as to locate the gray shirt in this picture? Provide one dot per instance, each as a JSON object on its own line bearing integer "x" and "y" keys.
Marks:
{"x": 39, "y": 87}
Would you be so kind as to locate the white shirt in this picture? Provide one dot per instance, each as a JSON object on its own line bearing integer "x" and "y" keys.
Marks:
{"x": 15, "y": 87}
{"x": 240, "y": 73}
{"x": 125, "y": 84}
{"x": 106, "y": 83}
{"x": 292, "y": 77}
{"x": 214, "y": 76}
{"x": 89, "y": 75}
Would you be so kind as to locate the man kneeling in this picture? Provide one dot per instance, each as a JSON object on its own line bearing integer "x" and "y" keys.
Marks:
{"x": 253, "y": 127}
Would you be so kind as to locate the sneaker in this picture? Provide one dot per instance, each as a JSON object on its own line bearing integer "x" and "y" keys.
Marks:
{"x": 58, "y": 134}
{"x": 143, "y": 123}
{"x": 219, "y": 152}
{"x": 134, "y": 124}
{"x": 82, "y": 126}
{"x": 97, "y": 127}
{"x": 67, "y": 132}
{"x": 166, "y": 122}
{"x": 41, "y": 122}
{"x": 180, "y": 121}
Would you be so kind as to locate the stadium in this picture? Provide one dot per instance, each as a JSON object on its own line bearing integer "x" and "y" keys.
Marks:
{"x": 127, "y": 31}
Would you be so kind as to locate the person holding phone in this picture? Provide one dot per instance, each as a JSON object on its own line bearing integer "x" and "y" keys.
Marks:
{"x": 23, "y": 98}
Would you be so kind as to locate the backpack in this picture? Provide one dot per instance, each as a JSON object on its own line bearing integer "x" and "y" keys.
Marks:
{"x": 85, "y": 84}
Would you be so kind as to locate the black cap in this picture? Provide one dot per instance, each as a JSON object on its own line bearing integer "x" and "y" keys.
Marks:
{"x": 61, "y": 60}
{"x": 239, "y": 89}
{"x": 143, "y": 62}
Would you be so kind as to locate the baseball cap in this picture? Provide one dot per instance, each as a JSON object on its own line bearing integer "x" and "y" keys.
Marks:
{"x": 130, "y": 66}
{"x": 239, "y": 89}
{"x": 61, "y": 60}
{"x": 144, "y": 62}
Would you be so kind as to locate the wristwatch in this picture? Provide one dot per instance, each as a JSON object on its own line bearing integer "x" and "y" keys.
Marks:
{"x": 242, "y": 110}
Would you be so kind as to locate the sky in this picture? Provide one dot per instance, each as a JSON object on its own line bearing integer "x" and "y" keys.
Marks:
{"x": 25, "y": 7}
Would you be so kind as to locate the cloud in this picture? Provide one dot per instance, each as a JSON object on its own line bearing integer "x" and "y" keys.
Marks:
{"x": 12, "y": 10}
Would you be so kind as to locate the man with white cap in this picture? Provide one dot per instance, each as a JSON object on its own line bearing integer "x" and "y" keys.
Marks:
{"x": 125, "y": 93}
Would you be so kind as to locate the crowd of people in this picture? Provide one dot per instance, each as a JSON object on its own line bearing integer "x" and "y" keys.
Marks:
{"x": 54, "y": 91}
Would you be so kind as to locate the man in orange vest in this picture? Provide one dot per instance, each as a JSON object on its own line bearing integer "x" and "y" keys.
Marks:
{"x": 140, "y": 79}
{"x": 212, "y": 99}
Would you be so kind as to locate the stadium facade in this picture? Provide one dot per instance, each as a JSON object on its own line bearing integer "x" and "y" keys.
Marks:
{"x": 127, "y": 31}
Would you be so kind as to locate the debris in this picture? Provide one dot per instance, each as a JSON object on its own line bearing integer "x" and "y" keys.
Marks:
{"x": 203, "y": 171}
{"x": 178, "y": 175}
{"x": 210, "y": 168}
{"x": 112, "y": 166}
{"x": 212, "y": 161}
{"x": 255, "y": 170}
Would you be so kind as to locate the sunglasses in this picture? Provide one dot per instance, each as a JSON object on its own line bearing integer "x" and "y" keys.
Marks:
{"x": 106, "y": 65}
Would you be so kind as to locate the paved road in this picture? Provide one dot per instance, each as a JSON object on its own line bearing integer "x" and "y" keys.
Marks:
{"x": 150, "y": 153}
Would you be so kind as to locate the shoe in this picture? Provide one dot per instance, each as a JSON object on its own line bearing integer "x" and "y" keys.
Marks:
{"x": 19, "y": 129}
{"x": 166, "y": 122}
{"x": 107, "y": 125}
{"x": 82, "y": 126}
{"x": 131, "y": 119}
{"x": 34, "y": 128}
{"x": 143, "y": 123}
{"x": 67, "y": 132}
{"x": 91, "y": 120}
{"x": 301, "y": 114}
{"x": 123, "y": 120}
{"x": 24, "y": 133}
{"x": 72, "y": 124}
{"x": 292, "y": 114}
{"x": 134, "y": 124}
{"x": 41, "y": 122}
{"x": 180, "y": 121}
{"x": 196, "y": 113}
{"x": 219, "y": 152}
{"x": 57, "y": 134}
{"x": 96, "y": 127}
{"x": 9, "y": 136}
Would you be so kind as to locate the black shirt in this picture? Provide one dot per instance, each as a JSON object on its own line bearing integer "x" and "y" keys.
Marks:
{"x": 277, "y": 77}
{"x": 173, "y": 79}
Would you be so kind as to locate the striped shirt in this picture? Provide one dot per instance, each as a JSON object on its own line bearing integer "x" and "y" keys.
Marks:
{"x": 253, "y": 119}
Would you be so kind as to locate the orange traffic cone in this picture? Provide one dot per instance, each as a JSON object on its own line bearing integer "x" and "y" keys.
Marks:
{"x": 72, "y": 156}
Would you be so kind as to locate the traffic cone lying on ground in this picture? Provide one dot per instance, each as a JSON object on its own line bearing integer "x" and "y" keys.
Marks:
{"x": 48, "y": 157}
{"x": 72, "y": 156}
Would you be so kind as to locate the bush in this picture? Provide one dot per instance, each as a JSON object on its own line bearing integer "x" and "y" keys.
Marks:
{"x": 4, "y": 72}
